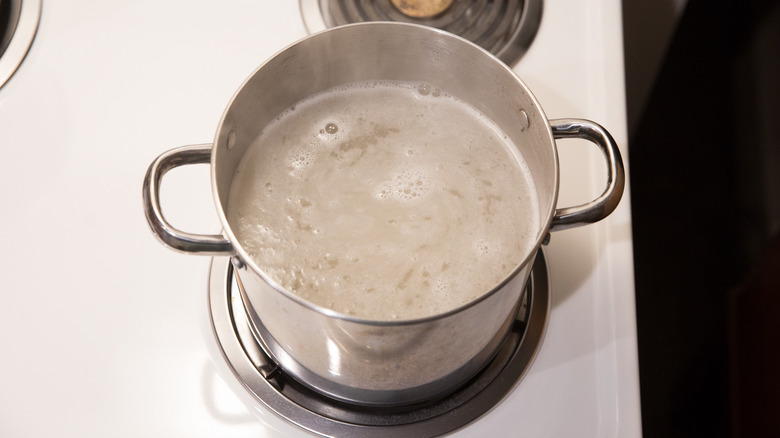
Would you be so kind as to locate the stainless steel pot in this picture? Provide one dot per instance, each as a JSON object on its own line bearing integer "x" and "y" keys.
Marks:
{"x": 352, "y": 359}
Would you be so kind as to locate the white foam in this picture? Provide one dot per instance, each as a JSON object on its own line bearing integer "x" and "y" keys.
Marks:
{"x": 300, "y": 159}
{"x": 407, "y": 185}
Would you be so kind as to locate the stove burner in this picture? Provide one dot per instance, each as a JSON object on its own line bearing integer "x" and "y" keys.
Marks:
{"x": 506, "y": 28}
{"x": 271, "y": 387}
{"x": 18, "y": 25}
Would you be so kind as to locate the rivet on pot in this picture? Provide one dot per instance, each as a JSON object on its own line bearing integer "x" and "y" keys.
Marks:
{"x": 231, "y": 139}
{"x": 524, "y": 121}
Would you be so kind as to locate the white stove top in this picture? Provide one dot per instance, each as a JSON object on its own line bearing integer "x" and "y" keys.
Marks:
{"x": 104, "y": 332}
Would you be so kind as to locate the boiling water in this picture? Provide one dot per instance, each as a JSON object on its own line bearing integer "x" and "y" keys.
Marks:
{"x": 384, "y": 201}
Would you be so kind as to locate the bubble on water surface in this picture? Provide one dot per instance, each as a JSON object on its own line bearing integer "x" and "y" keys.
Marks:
{"x": 300, "y": 159}
{"x": 440, "y": 287}
{"x": 407, "y": 185}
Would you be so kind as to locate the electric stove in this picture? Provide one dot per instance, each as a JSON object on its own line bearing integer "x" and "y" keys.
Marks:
{"x": 107, "y": 333}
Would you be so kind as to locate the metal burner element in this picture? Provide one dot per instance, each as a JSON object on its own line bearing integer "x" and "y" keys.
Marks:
{"x": 271, "y": 387}
{"x": 506, "y": 28}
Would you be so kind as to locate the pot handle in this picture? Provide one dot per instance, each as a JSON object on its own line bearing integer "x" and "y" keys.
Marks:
{"x": 602, "y": 206}
{"x": 179, "y": 240}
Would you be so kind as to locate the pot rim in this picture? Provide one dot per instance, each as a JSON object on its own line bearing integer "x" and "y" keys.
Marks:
{"x": 242, "y": 257}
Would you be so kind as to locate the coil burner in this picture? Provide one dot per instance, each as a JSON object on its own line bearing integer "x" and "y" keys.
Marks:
{"x": 271, "y": 387}
{"x": 506, "y": 28}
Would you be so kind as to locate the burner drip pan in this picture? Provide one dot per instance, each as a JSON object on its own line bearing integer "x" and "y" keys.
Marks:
{"x": 18, "y": 25}
{"x": 506, "y": 28}
{"x": 271, "y": 387}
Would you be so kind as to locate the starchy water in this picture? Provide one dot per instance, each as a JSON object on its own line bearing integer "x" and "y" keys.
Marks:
{"x": 384, "y": 201}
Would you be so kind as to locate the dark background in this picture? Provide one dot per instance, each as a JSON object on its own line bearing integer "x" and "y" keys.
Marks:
{"x": 704, "y": 155}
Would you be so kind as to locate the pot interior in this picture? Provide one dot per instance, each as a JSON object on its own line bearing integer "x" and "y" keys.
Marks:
{"x": 387, "y": 52}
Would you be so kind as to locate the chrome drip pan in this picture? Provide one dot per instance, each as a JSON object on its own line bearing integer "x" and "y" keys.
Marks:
{"x": 18, "y": 25}
{"x": 270, "y": 386}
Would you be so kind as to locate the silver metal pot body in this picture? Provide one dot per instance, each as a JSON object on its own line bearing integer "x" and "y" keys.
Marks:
{"x": 382, "y": 362}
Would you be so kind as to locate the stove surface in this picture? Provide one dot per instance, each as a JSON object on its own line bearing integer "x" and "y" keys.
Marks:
{"x": 104, "y": 332}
